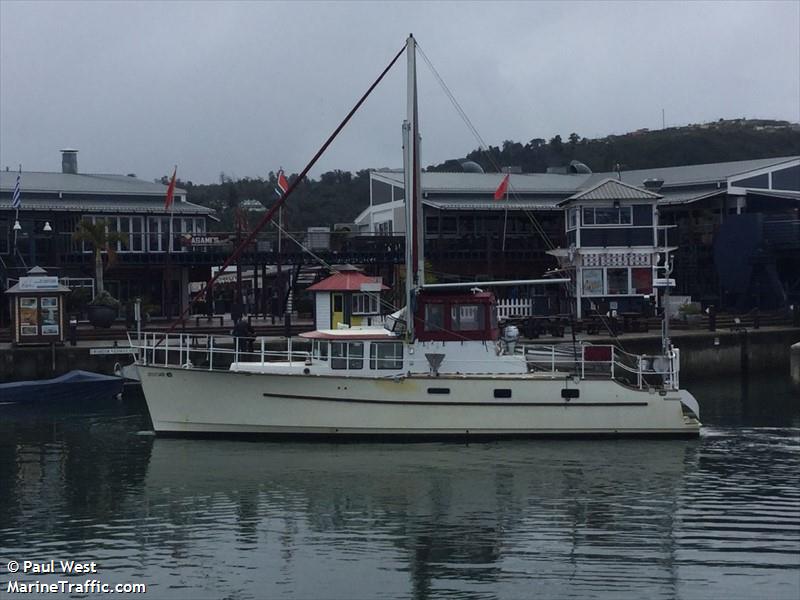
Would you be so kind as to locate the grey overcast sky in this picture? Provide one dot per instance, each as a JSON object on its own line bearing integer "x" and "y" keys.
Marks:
{"x": 246, "y": 87}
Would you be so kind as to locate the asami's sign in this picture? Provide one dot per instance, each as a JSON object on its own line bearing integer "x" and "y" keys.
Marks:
{"x": 204, "y": 240}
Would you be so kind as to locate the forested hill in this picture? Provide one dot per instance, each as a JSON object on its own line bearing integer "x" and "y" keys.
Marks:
{"x": 338, "y": 196}
{"x": 721, "y": 141}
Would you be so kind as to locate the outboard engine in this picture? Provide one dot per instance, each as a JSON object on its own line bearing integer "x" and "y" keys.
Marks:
{"x": 510, "y": 337}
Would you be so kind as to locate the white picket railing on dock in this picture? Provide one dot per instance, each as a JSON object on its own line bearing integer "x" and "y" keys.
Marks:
{"x": 518, "y": 307}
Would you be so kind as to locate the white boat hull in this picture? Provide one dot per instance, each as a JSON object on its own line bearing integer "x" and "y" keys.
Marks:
{"x": 191, "y": 401}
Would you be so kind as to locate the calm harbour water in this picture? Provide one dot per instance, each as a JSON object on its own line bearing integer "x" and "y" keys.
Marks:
{"x": 717, "y": 517}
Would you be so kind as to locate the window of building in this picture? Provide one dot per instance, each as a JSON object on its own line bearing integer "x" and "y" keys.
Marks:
{"x": 137, "y": 234}
{"x": 347, "y": 355}
{"x": 572, "y": 218}
{"x": 618, "y": 282}
{"x": 607, "y": 216}
{"x": 365, "y": 304}
{"x": 592, "y": 282}
{"x": 466, "y": 317}
{"x": 642, "y": 280}
{"x": 642, "y": 215}
{"x": 448, "y": 225}
{"x": 431, "y": 224}
{"x": 5, "y": 236}
{"x": 434, "y": 317}
{"x": 386, "y": 355}
{"x": 466, "y": 225}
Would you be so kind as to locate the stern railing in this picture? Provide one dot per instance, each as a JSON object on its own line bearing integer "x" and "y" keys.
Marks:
{"x": 590, "y": 361}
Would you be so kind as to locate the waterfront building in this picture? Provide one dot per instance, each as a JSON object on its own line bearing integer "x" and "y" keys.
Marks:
{"x": 468, "y": 234}
{"x": 614, "y": 247}
{"x": 53, "y": 203}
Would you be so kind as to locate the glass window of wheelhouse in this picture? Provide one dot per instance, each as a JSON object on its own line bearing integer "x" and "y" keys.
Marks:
{"x": 386, "y": 355}
{"x": 347, "y": 355}
{"x": 467, "y": 317}
{"x": 434, "y": 317}
{"x": 320, "y": 350}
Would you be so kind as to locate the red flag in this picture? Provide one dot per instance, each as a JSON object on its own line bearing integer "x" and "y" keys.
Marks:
{"x": 170, "y": 190}
{"x": 501, "y": 189}
{"x": 283, "y": 184}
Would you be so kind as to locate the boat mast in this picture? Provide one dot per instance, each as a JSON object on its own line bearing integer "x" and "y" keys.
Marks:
{"x": 415, "y": 269}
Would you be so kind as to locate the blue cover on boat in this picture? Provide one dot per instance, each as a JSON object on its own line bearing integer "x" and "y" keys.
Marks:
{"x": 75, "y": 385}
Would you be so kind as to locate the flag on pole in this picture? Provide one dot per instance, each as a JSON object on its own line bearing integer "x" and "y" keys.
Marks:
{"x": 283, "y": 183}
{"x": 16, "y": 201}
{"x": 170, "y": 190}
{"x": 501, "y": 189}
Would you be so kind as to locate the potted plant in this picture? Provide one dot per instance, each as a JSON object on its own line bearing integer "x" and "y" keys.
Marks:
{"x": 102, "y": 310}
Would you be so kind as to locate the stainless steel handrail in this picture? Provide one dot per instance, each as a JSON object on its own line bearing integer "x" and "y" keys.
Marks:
{"x": 185, "y": 344}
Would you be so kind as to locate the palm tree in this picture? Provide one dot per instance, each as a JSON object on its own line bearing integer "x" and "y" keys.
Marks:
{"x": 101, "y": 239}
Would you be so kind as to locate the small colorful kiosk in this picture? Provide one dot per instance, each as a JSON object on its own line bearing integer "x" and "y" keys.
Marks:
{"x": 347, "y": 298}
{"x": 37, "y": 309}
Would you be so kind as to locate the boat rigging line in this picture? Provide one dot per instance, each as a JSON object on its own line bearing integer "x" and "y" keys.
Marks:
{"x": 510, "y": 190}
{"x": 267, "y": 218}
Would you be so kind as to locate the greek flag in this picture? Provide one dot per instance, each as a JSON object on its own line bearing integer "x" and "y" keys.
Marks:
{"x": 16, "y": 201}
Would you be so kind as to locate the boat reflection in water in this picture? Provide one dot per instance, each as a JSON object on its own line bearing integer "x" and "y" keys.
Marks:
{"x": 712, "y": 517}
{"x": 577, "y": 518}
{"x": 335, "y": 518}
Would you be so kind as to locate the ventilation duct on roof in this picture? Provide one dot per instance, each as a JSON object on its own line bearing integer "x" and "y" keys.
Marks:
{"x": 653, "y": 184}
{"x": 577, "y": 166}
{"x": 69, "y": 161}
{"x": 470, "y": 166}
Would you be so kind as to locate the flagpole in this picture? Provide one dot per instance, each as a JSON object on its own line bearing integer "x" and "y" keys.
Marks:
{"x": 16, "y": 212}
{"x": 505, "y": 219}
{"x": 171, "y": 217}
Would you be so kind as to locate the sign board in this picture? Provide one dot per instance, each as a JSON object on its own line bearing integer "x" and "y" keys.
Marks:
{"x": 110, "y": 351}
{"x": 204, "y": 240}
{"x": 38, "y": 283}
{"x": 372, "y": 286}
{"x": 660, "y": 282}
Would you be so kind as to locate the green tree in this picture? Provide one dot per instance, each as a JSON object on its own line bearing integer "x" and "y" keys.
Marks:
{"x": 101, "y": 239}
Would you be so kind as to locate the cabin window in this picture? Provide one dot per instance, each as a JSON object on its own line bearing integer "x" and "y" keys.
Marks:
{"x": 386, "y": 355}
{"x": 365, "y": 304}
{"x": 502, "y": 393}
{"x": 338, "y": 305}
{"x": 321, "y": 350}
{"x": 572, "y": 218}
{"x": 434, "y": 317}
{"x": 466, "y": 317}
{"x": 588, "y": 216}
{"x": 347, "y": 355}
